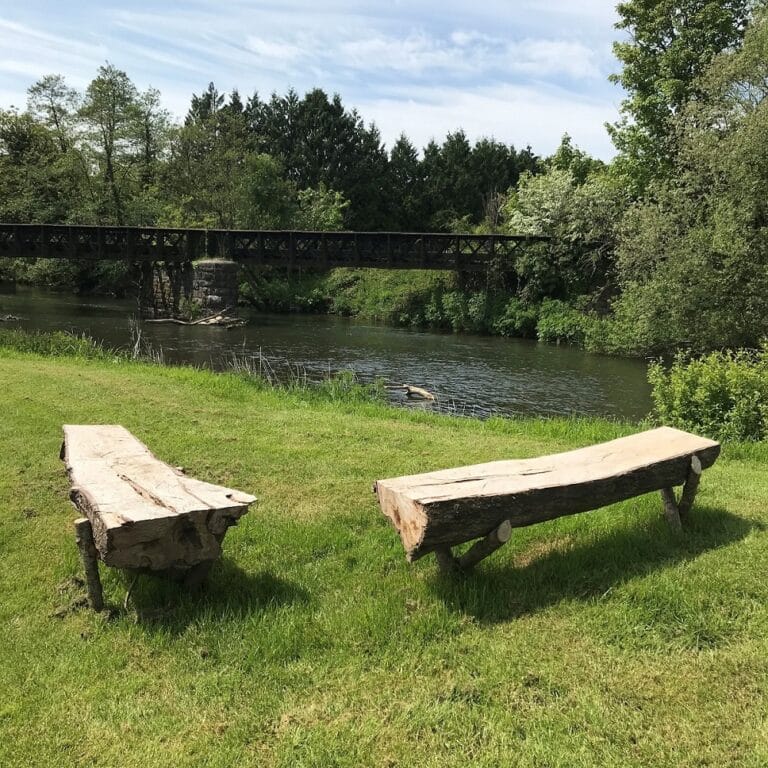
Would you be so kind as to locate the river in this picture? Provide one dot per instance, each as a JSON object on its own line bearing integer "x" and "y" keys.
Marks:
{"x": 471, "y": 375}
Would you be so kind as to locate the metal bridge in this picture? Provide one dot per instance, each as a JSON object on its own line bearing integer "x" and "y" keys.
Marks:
{"x": 382, "y": 250}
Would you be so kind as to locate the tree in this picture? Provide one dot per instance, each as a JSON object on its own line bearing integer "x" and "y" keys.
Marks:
{"x": 153, "y": 131}
{"x": 406, "y": 186}
{"x": 110, "y": 112}
{"x": 568, "y": 157}
{"x": 55, "y": 104}
{"x": 207, "y": 104}
{"x": 693, "y": 259}
{"x": 671, "y": 43}
{"x": 33, "y": 185}
{"x": 319, "y": 142}
{"x": 582, "y": 220}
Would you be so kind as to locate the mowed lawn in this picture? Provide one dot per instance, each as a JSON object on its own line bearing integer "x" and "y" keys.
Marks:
{"x": 602, "y": 639}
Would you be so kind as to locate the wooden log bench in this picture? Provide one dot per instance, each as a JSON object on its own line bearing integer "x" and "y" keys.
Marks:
{"x": 436, "y": 511}
{"x": 139, "y": 513}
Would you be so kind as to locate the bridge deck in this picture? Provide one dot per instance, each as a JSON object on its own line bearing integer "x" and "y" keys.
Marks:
{"x": 384, "y": 250}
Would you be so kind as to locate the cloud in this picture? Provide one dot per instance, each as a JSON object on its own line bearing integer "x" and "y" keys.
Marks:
{"x": 516, "y": 115}
{"x": 423, "y": 66}
{"x": 275, "y": 51}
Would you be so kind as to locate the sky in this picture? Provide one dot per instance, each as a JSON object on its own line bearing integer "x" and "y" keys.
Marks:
{"x": 521, "y": 71}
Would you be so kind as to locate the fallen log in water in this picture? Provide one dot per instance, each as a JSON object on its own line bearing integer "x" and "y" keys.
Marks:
{"x": 411, "y": 391}
{"x": 219, "y": 318}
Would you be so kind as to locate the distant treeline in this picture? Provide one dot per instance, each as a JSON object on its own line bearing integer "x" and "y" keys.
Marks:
{"x": 112, "y": 155}
{"x": 666, "y": 246}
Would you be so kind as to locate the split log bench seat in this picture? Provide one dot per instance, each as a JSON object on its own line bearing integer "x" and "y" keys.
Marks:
{"x": 139, "y": 513}
{"x": 435, "y": 511}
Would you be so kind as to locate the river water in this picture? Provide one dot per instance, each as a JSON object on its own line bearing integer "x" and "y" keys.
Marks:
{"x": 471, "y": 375}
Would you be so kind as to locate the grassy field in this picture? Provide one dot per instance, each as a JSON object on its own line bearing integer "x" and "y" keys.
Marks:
{"x": 598, "y": 640}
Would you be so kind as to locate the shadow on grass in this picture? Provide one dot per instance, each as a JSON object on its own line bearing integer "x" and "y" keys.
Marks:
{"x": 496, "y": 591}
{"x": 229, "y": 592}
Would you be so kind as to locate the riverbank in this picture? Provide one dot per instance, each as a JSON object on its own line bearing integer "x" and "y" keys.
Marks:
{"x": 418, "y": 299}
{"x": 600, "y": 639}
{"x": 424, "y": 299}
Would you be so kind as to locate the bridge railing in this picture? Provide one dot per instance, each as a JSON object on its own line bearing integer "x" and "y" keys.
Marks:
{"x": 392, "y": 250}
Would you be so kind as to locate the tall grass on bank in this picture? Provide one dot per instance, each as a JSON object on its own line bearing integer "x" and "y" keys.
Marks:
{"x": 259, "y": 369}
{"x": 291, "y": 377}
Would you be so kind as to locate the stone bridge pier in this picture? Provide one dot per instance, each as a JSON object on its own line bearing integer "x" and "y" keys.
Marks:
{"x": 189, "y": 289}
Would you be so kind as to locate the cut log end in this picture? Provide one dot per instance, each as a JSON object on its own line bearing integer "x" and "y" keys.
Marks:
{"x": 504, "y": 531}
{"x": 481, "y": 549}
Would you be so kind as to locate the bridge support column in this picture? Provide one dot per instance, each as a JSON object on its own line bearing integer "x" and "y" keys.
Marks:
{"x": 215, "y": 285}
{"x": 187, "y": 289}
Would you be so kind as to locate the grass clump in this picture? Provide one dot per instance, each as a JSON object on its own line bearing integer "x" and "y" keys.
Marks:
{"x": 54, "y": 344}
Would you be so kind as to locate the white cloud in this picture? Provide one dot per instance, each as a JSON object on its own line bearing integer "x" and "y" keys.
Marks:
{"x": 547, "y": 59}
{"x": 281, "y": 52}
{"x": 516, "y": 115}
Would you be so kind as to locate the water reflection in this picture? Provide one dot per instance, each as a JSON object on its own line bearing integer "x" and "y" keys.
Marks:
{"x": 475, "y": 375}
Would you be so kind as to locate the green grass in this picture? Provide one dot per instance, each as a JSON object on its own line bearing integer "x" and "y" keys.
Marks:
{"x": 602, "y": 639}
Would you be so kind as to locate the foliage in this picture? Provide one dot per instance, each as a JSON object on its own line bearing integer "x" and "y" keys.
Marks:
{"x": 559, "y": 322}
{"x": 670, "y": 45}
{"x": 723, "y": 394}
{"x": 516, "y": 319}
{"x": 320, "y": 210}
{"x": 568, "y": 157}
{"x": 580, "y": 218}
{"x": 692, "y": 259}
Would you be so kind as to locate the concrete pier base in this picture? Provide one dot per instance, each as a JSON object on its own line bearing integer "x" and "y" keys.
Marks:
{"x": 189, "y": 290}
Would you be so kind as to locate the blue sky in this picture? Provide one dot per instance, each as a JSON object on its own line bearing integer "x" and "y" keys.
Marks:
{"x": 523, "y": 72}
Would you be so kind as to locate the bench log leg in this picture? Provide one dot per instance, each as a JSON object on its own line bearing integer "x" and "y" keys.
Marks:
{"x": 482, "y": 548}
{"x": 197, "y": 574}
{"x": 690, "y": 487}
{"x": 671, "y": 511}
{"x": 84, "y": 539}
{"x": 448, "y": 564}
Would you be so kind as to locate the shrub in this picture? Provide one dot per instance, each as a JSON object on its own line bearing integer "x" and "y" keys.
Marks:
{"x": 723, "y": 395}
{"x": 517, "y": 319}
{"x": 560, "y": 322}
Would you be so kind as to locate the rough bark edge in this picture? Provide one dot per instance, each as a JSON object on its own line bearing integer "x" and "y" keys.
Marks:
{"x": 88, "y": 555}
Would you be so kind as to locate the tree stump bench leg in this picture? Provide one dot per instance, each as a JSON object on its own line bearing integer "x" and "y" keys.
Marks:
{"x": 671, "y": 511}
{"x": 195, "y": 577}
{"x": 482, "y": 548}
{"x": 675, "y": 511}
{"x": 690, "y": 488}
{"x": 85, "y": 543}
{"x": 447, "y": 563}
